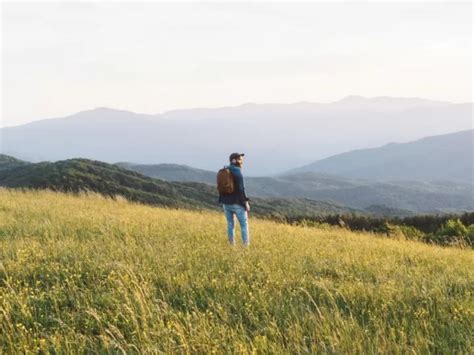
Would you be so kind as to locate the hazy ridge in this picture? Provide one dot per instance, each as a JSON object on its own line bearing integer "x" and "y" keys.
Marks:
{"x": 277, "y": 137}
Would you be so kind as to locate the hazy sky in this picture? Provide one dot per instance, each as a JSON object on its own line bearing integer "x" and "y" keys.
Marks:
{"x": 60, "y": 58}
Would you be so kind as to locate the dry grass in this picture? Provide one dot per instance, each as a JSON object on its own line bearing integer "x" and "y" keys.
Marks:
{"x": 89, "y": 274}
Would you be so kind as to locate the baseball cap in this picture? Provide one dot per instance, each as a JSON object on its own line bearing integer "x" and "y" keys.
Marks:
{"x": 235, "y": 156}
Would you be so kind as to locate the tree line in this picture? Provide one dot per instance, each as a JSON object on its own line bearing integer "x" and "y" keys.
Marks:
{"x": 446, "y": 229}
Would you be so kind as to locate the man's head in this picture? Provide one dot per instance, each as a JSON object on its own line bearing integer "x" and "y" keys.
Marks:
{"x": 237, "y": 159}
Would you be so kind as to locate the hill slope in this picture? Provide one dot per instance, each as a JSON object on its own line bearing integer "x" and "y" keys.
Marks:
{"x": 77, "y": 175}
{"x": 172, "y": 172}
{"x": 93, "y": 275}
{"x": 444, "y": 157}
{"x": 8, "y": 162}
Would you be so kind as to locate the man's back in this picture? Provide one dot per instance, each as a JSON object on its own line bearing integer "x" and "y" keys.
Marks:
{"x": 238, "y": 196}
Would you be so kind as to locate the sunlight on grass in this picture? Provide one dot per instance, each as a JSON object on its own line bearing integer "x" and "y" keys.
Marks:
{"x": 90, "y": 274}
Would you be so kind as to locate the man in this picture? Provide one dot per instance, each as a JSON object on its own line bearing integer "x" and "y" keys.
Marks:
{"x": 236, "y": 203}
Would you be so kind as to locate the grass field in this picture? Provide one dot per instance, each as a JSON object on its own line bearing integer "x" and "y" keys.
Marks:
{"x": 89, "y": 274}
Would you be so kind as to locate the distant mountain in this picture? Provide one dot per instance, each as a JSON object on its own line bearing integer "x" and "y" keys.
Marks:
{"x": 77, "y": 175}
{"x": 172, "y": 172}
{"x": 443, "y": 157}
{"x": 8, "y": 162}
{"x": 275, "y": 137}
{"x": 387, "y": 198}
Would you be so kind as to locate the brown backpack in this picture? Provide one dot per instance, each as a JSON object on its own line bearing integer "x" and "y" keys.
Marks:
{"x": 225, "y": 182}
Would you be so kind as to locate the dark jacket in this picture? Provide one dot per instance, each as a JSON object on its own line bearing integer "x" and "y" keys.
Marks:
{"x": 238, "y": 196}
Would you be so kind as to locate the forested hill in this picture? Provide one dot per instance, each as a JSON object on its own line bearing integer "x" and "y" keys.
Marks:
{"x": 383, "y": 198}
{"x": 8, "y": 162}
{"x": 76, "y": 175}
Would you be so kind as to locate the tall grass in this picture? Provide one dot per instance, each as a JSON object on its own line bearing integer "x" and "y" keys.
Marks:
{"x": 89, "y": 274}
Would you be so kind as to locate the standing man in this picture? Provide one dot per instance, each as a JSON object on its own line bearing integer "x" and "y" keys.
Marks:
{"x": 237, "y": 202}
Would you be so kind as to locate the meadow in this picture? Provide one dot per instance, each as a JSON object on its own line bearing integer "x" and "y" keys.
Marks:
{"x": 87, "y": 274}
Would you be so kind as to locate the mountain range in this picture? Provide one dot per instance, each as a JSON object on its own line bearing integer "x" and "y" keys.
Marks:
{"x": 275, "y": 137}
{"x": 443, "y": 157}
{"x": 430, "y": 175}
{"x": 405, "y": 196}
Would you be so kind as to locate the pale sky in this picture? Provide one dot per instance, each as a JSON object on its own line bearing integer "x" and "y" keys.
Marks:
{"x": 61, "y": 58}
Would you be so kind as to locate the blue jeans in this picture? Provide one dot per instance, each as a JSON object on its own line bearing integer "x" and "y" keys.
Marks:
{"x": 239, "y": 211}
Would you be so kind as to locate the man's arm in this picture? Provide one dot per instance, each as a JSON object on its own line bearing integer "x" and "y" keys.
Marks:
{"x": 244, "y": 196}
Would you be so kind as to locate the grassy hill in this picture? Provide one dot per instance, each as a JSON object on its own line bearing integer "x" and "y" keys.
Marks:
{"x": 304, "y": 193}
{"x": 86, "y": 274}
{"x": 75, "y": 175}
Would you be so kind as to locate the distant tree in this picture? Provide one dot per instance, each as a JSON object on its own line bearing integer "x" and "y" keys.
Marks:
{"x": 453, "y": 231}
